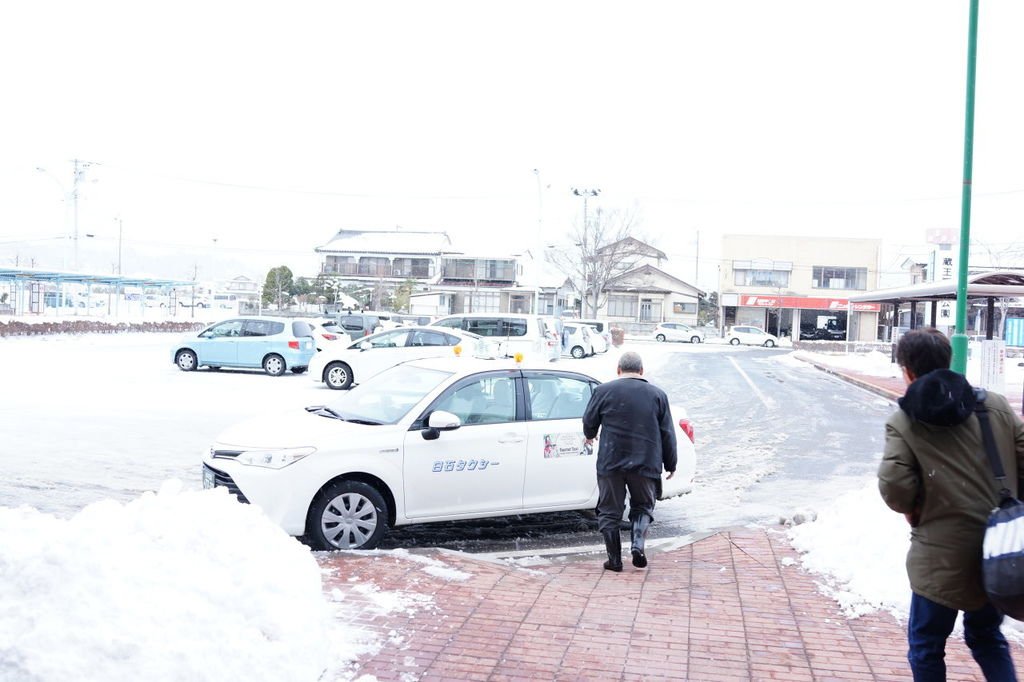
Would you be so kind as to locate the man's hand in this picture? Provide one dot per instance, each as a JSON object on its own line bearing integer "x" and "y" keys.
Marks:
{"x": 670, "y": 475}
{"x": 588, "y": 441}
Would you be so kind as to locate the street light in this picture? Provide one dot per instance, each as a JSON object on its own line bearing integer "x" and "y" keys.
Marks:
{"x": 120, "y": 236}
{"x": 585, "y": 193}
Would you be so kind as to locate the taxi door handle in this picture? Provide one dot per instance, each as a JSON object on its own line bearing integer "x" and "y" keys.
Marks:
{"x": 510, "y": 438}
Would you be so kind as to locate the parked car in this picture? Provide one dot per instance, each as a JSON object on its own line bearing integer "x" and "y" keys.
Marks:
{"x": 276, "y": 344}
{"x": 601, "y": 341}
{"x": 326, "y": 333}
{"x": 409, "y": 320}
{"x": 577, "y": 340}
{"x": 341, "y": 367}
{"x": 526, "y": 334}
{"x": 751, "y": 336}
{"x": 552, "y": 338}
{"x": 357, "y": 324}
{"x": 604, "y": 331}
{"x": 677, "y": 331}
{"x": 427, "y": 440}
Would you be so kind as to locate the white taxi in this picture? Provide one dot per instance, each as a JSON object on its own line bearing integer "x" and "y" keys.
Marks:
{"x": 427, "y": 440}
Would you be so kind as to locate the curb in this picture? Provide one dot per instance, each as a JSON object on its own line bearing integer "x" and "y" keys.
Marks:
{"x": 849, "y": 378}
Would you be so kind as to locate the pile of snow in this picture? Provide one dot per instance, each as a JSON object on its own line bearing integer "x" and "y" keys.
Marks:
{"x": 173, "y": 585}
{"x": 859, "y": 546}
{"x": 871, "y": 363}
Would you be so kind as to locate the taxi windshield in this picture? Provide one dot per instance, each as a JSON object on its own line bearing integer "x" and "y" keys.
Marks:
{"x": 387, "y": 397}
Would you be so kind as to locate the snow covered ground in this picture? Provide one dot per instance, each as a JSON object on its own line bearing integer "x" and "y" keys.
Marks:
{"x": 115, "y": 562}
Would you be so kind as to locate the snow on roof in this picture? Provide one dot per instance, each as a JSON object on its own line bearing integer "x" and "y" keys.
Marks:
{"x": 411, "y": 242}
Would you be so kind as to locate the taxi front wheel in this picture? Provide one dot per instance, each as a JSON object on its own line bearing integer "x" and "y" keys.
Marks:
{"x": 347, "y": 515}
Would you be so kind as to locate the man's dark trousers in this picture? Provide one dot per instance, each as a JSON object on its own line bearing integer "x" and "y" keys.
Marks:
{"x": 931, "y": 623}
{"x": 611, "y": 500}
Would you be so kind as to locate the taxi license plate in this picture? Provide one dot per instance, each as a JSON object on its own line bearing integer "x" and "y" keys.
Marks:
{"x": 208, "y": 481}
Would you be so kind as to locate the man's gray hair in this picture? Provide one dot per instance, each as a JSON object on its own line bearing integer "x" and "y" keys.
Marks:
{"x": 631, "y": 362}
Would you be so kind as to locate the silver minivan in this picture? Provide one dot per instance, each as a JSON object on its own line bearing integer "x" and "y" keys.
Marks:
{"x": 526, "y": 334}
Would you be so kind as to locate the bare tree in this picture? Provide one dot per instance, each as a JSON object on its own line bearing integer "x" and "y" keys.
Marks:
{"x": 605, "y": 247}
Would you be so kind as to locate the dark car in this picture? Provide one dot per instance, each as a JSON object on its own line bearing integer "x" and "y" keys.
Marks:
{"x": 357, "y": 325}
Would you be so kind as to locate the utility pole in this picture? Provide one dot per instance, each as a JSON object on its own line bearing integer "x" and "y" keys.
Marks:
{"x": 120, "y": 233}
{"x": 538, "y": 245}
{"x": 79, "y": 173}
{"x": 586, "y": 285}
{"x": 696, "y": 263}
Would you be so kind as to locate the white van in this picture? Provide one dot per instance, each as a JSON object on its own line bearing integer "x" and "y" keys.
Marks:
{"x": 526, "y": 334}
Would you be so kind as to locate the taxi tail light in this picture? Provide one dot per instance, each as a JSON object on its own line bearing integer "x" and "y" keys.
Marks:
{"x": 330, "y": 337}
{"x": 687, "y": 428}
{"x": 293, "y": 344}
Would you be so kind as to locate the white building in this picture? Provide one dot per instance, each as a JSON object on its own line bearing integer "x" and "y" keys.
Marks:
{"x": 787, "y": 284}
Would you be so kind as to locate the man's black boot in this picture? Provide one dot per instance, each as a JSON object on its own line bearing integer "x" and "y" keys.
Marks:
{"x": 638, "y": 535}
{"x": 613, "y": 543}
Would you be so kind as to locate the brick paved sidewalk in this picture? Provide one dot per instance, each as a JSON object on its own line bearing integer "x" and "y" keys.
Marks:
{"x": 732, "y": 606}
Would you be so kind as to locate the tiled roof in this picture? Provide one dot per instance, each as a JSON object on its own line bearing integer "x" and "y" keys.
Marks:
{"x": 391, "y": 241}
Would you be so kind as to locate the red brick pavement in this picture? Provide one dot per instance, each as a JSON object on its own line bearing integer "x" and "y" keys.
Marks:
{"x": 732, "y": 606}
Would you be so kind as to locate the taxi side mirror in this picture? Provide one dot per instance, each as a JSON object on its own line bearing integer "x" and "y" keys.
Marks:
{"x": 439, "y": 421}
{"x": 365, "y": 345}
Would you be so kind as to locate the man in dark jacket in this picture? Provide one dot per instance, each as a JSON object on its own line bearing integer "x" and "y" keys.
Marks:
{"x": 935, "y": 471}
{"x": 637, "y": 440}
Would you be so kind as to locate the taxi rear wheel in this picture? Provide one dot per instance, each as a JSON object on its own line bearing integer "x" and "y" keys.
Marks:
{"x": 347, "y": 515}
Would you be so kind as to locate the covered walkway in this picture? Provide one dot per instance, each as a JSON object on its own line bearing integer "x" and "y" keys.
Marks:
{"x": 981, "y": 285}
{"x": 26, "y": 289}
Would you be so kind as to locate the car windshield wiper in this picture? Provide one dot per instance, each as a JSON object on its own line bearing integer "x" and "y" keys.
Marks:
{"x": 368, "y": 422}
{"x": 325, "y": 411}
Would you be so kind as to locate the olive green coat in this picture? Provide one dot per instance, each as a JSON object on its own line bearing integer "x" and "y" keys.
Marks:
{"x": 944, "y": 472}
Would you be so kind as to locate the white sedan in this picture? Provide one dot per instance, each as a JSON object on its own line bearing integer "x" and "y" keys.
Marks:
{"x": 751, "y": 336}
{"x": 427, "y": 440}
{"x": 341, "y": 366}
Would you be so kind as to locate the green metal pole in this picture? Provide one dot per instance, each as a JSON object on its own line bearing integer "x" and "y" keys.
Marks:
{"x": 959, "y": 340}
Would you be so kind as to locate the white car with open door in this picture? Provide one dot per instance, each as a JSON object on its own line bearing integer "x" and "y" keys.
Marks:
{"x": 577, "y": 340}
{"x": 427, "y": 440}
{"x": 339, "y": 367}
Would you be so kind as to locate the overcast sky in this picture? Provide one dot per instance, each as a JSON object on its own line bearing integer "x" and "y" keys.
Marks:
{"x": 268, "y": 126}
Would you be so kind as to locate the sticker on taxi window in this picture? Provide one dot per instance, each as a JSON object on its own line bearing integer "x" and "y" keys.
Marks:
{"x": 566, "y": 445}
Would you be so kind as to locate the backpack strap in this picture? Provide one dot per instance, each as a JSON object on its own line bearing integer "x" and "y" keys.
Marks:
{"x": 988, "y": 439}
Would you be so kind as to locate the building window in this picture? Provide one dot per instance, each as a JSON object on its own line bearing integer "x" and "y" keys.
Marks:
{"x": 341, "y": 265}
{"x": 376, "y": 267}
{"x": 829, "y": 277}
{"x": 412, "y": 267}
{"x": 622, "y": 306}
{"x": 761, "y": 278}
{"x": 503, "y": 270}
{"x": 684, "y": 308}
{"x": 486, "y": 302}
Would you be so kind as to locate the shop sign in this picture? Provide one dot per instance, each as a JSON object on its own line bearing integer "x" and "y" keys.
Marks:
{"x": 748, "y": 301}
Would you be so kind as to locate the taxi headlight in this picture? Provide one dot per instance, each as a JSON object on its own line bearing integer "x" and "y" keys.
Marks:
{"x": 273, "y": 459}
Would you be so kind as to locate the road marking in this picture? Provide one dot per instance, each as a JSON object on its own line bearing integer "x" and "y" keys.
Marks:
{"x": 768, "y": 402}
